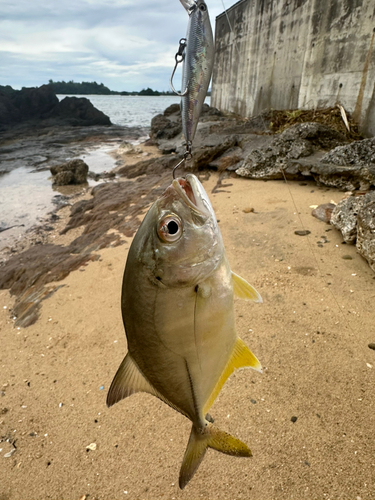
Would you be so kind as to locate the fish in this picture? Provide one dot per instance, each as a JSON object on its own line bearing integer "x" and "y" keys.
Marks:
{"x": 178, "y": 313}
{"x": 197, "y": 65}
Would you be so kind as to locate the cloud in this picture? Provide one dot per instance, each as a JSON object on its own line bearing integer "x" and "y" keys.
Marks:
{"x": 126, "y": 44}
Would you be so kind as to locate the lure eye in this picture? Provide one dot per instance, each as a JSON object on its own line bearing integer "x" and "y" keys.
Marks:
{"x": 170, "y": 229}
{"x": 203, "y": 7}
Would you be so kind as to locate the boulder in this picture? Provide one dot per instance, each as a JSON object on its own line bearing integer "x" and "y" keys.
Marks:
{"x": 42, "y": 105}
{"x": 72, "y": 172}
{"x": 163, "y": 127}
{"x": 279, "y": 158}
{"x": 366, "y": 233}
{"x": 324, "y": 212}
{"x": 80, "y": 111}
{"x": 357, "y": 153}
{"x": 345, "y": 215}
{"x": 35, "y": 103}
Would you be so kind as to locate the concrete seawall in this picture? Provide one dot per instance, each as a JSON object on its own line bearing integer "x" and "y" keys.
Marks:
{"x": 288, "y": 54}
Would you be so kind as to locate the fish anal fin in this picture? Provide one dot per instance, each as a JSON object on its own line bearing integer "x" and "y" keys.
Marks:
{"x": 243, "y": 290}
{"x": 241, "y": 357}
{"x": 199, "y": 441}
{"x": 128, "y": 380}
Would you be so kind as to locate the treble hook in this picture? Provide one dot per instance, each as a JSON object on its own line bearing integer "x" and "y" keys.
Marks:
{"x": 187, "y": 156}
{"x": 179, "y": 57}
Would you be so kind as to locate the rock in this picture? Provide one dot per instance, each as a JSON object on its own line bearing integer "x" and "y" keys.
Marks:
{"x": 324, "y": 212}
{"x": 366, "y": 233}
{"x": 299, "y": 141}
{"x": 344, "y": 215}
{"x": 172, "y": 109}
{"x": 205, "y": 155}
{"x": 301, "y": 232}
{"x": 80, "y": 111}
{"x": 9, "y": 114}
{"x": 41, "y": 105}
{"x": 164, "y": 128}
{"x": 72, "y": 172}
{"x": 35, "y": 103}
{"x": 344, "y": 177}
{"x": 372, "y": 346}
{"x": 128, "y": 149}
{"x": 358, "y": 153}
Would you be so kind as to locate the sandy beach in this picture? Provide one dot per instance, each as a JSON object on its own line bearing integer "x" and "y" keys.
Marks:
{"x": 309, "y": 418}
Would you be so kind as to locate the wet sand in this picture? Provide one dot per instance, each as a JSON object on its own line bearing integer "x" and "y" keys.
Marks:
{"x": 309, "y": 419}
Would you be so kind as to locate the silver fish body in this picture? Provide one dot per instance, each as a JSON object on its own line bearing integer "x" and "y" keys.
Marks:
{"x": 197, "y": 66}
{"x": 177, "y": 307}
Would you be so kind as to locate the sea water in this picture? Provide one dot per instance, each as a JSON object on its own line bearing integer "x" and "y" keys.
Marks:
{"x": 130, "y": 111}
{"x": 27, "y": 195}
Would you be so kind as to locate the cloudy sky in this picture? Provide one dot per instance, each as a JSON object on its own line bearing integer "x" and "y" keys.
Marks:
{"x": 125, "y": 44}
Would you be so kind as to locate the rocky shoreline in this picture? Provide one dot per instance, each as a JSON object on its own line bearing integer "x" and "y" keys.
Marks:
{"x": 87, "y": 222}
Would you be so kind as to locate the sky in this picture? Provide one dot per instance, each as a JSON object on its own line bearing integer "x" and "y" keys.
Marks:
{"x": 124, "y": 44}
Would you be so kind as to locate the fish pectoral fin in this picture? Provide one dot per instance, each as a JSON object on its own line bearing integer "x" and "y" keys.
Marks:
{"x": 243, "y": 290}
{"x": 241, "y": 357}
{"x": 128, "y": 380}
{"x": 199, "y": 441}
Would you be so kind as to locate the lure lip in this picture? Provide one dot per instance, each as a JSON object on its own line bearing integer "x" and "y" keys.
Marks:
{"x": 188, "y": 5}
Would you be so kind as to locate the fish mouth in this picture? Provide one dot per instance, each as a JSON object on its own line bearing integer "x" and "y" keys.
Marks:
{"x": 193, "y": 194}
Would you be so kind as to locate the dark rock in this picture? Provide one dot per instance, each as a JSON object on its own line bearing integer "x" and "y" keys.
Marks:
{"x": 344, "y": 215}
{"x": 324, "y": 212}
{"x": 172, "y": 109}
{"x": 80, "y": 111}
{"x": 204, "y": 156}
{"x": 301, "y": 232}
{"x": 154, "y": 166}
{"x": 35, "y": 103}
{"x": 9, "y": 114}
{"x": 366, "y": 233}
{"x": 164, "y": 128}
{"x": 372, "y": 346}
{"x": 40, "y": 105}
{"x": 294, "y": 419}
{"x": 72, "y": 172}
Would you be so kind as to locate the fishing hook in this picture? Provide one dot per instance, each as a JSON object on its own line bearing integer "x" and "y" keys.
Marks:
{"x": 187, "y": 156}
{"x": 179, "y": 57}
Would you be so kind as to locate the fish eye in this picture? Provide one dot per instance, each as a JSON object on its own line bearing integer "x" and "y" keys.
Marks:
{"x": 170, "y": 229}
{"x": 203, "y": 7}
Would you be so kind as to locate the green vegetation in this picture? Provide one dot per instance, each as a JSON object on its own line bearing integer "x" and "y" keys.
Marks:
{"x": 86, "y": 88}
{"x": 6, "y": 89}
{"x": 83, "y": 88}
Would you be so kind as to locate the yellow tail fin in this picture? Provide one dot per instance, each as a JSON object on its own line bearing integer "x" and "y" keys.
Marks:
{"x": 211, "y": 437}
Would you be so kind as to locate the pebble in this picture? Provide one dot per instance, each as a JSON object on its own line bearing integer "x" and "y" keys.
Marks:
{"x": 91, "y": 446}
{"x": 347, "y": 257}
{"x": 304, "y": 232}
{"x": 10, "y": 453}
{"x": 248, "y": 210}
{"x": 293, "y": 419}
{"x": 372, "y": 346}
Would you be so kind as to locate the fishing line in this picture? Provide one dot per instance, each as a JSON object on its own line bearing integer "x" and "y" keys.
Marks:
{"x": 287, "y": 184}
{"x": 309, "y": 243}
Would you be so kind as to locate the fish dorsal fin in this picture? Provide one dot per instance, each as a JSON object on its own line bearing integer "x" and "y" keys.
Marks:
{"x": 128, "y": 380}
{"x": 243, "y": 290}
{"x": 241, "y": 357}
